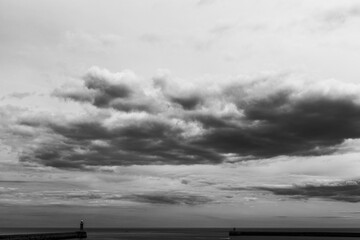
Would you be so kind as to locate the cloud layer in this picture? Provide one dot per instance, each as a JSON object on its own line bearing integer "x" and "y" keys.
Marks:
{"x": 129, "y": 120}
{"x": 81, "y": 197}
{"x": 346, "y": 191}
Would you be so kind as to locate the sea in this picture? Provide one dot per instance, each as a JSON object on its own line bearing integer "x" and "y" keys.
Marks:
{"x": 167, "y": 234}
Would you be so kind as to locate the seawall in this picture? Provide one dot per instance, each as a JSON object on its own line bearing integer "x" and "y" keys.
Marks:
{"x": 45, "y": 236}
{"x": 294, "y": 233}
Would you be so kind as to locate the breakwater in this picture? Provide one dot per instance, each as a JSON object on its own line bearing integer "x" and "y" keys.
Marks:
{"x": 81, "y": 234}
{"x": 293, "y": 233}
{"x": 45, "y": 236}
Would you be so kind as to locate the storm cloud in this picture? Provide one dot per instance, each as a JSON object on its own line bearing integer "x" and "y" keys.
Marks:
{"x": 160, "y": 121}
{"x": 281, "y": 126}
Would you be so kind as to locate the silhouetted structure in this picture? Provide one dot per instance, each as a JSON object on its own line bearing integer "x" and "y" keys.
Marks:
{"x": 292, "y": 233}
{"x": 48, "y": 236}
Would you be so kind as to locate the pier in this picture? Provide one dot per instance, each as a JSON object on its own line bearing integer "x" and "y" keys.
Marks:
{"x": 293, "y": 233}
{"x": 80, "y": 234}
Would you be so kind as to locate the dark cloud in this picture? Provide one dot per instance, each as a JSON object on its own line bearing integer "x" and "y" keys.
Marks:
{"x": 162, "y": 122}
{"x": 169, "y": 198}
{"x": 145, "y": 142}
{"x": 287, "y": 127}
{"x": 184, "y": 181}
{"x": 106, "y": 90}
{"x": 93, "y": 197}
{"x": 346, "y": 191}
{"x": 131, "y": 106}
{"x": 187, "y": 102}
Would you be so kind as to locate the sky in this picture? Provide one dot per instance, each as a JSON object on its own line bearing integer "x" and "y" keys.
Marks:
{"x": 179, "y": 113}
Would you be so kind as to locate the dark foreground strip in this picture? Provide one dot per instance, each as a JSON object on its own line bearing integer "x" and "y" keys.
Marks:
{"x": 294, "y": 234}
{"x": 45, "y": 236}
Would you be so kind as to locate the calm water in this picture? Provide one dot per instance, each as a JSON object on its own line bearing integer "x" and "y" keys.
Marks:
{"x": 169, "y": 234}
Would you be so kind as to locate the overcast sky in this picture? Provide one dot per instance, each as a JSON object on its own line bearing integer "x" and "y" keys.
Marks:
{"x": 179, "y": 113}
